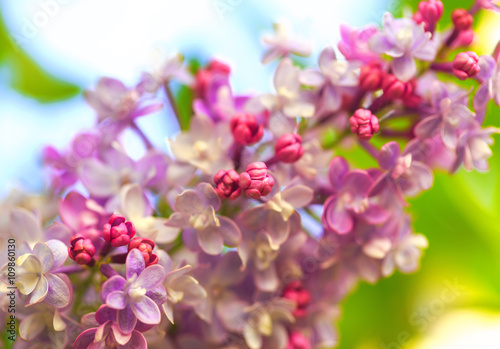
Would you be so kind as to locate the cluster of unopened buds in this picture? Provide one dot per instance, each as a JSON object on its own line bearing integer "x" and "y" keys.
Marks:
{"x": 247, "y": 232}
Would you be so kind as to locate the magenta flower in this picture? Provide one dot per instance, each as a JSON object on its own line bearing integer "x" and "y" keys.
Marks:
{"x": 108, "y": 334}
{"x": 196, "y": 209}
{"x": 371, "y": 77}
{"x": 298, "y": 341}
{"x": 404, "y": 40}
{"x": 429, "y": 12}
{"x": 462, "y": 19}
{"x": 354, "y": 43}
{"x": 138, "y": 295}
{"x": 489, "y": 75}
{"x": 83, "y": 216}
{"x": 350, "y": 200}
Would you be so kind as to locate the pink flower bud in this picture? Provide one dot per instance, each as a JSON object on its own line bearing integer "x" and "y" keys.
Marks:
{"x": 396, "y": 89}
{"x": 298, "y": 341}
{"x": 371, "y": 77}
{"x": 146, "y": 247}
{"x": 118, "y": 231}
{"x": 462, "y": 19}
{"x": 227, "y": 184}
{"x": 255, "y": 181}
{"x": 465, "y": 65}
{"x": 288, "y": 148}
{"x": 297, "y": 293}
{"x": 364, "y": 124}
{"x": 82, "y": 250}
{"x": 246, "y": 130}
{"x": 430, "y": 11}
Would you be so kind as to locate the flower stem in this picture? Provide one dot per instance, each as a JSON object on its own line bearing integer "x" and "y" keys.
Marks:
{"x": 141, "y": 134}
{"x": 173, "y": 105}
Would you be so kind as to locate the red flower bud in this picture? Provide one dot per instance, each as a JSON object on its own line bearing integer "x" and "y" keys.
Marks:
{"x": 288, "y": 148}
{"x": 245, "y": 129}
{"x": 146, "y": 247}
{"x": 466, "y": 65}
{"x": 298, "y": 341}
{"x": 364, "y": 124}
{"x": 462, "y": 19}
{"x": 227, "y": 184}
{"x": 296, "y": 292}
{"x": 118, "y": 231}
{"x": 82, "y": 250}
{"x": 396, "y": 89}
{"x": 371, "y": 77}
{"x": 429, "y": 12}
{"x": 255, "y": 181}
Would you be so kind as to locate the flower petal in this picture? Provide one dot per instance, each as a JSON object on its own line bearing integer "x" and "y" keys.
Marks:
{"x": 404, "y": 67}
{"x": 298, "y": 195}
{"x": 146, "y": 311}
{"x": 388, "y": 155}
{"x": 44, "y": 254}
{"x": 59, "y": 251}
{"x": 126, "y": 319}
{"x": 40, "y": 291}
{"x": 151, "y": 277}
{"x": 116, "y": 300}
{"x": 231, "y": 234}
{"x": 335, "y": 217}
{"x": 135, "y": 263}
{"x": 59, "y": 294}
{"x": 336, "y": 171}
{"x": 114, "y": 283}
{"x": 189, "y": 202}
{"x": 100, "y": 180}
{"x": 137, "y": 341}
{"x": 210, "y": 241}
{"x": 132, "y": 201}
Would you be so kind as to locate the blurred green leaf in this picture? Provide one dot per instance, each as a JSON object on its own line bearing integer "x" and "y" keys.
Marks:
{"x": 27, "y": 77}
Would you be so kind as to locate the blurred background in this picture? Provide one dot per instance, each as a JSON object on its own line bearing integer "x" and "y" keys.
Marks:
{"x": 51, "y": 50}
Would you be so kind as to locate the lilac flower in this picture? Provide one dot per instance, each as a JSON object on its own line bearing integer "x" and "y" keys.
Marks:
{"x": 452, "y": 117}
{"x": 404, "y": 175}
{"x": 266, "y": 324}
{"x": 489, "y": 75}
{"x": 181, "y": 288}
{"x": 473, "y": 149}
{"x": 404, "y": 40}
{"x": 289, "y": 98}
{"x": 222, "y": 309}
{"x": 203, "y": 147}
{"x": 354, "y": 43}
{"x": 350, "y": 199}
{"x": 108, "y": 334}
{"x": 313, "y": 161}
{"x": 112, "y": 99}
{"x": 196, "y": 209}
{"x": 333, "y": 76}
{"x": 37, "y": 277}
{"x": 275, "y": 215}
{"x": 65, "y": 165}
{"x": 40, "y": 320}
{"x": 104, "y": 178}
{"x": 406, "y": 252}
{"x": 283, "y": 43}
{"x": 138, "y": 296}
{"x": 489, "y": 4}
{"x": 137, "y": 209}
{"x": 165, "y": 69}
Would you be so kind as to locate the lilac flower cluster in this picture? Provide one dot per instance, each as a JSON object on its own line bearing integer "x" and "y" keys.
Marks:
{"x": 249, "y": 232}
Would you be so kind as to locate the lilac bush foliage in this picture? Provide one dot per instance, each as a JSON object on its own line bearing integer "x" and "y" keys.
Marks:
{"x": 210, "y": 244}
